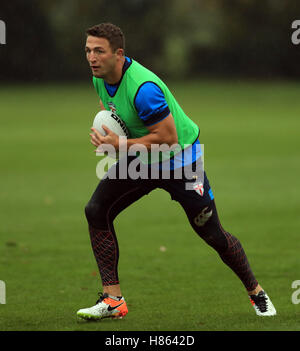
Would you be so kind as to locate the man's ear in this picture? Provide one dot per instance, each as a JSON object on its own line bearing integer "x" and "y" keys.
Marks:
{"x": 120, "y": 52}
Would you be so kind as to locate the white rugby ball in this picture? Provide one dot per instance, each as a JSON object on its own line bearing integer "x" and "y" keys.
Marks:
{"x": 111, "y": 121}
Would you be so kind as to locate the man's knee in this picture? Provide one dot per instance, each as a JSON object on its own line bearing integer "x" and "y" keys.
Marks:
{"x": 216, "y": 239}
{"x": 95, "y": 215}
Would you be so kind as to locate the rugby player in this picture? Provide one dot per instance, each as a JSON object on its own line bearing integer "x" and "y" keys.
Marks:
{"x": 153, "y": 117}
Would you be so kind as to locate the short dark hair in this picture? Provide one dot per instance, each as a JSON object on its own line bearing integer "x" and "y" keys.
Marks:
{"x": 110, "y": 32}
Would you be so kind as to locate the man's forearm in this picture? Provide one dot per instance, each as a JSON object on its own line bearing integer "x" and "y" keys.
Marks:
{"x": 148, "y": 141}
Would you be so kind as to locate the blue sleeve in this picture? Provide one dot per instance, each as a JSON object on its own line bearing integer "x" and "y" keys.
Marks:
{"x": 151, "y": 104}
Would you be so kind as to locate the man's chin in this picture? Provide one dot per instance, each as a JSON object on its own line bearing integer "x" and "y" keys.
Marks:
{"x": 97, "y": 75}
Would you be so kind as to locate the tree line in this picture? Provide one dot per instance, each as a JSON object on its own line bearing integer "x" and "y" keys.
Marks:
{"x": 176, "y": 39}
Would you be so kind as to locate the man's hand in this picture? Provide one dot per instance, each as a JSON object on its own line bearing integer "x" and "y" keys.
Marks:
{"x": 110, "y": 138}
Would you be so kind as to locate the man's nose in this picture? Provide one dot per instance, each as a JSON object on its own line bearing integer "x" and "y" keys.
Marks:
{"x": 91, "y": 57}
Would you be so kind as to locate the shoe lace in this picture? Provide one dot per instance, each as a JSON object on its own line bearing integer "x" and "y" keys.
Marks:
{"x": 260, "y": 301}
{"x": 101, "y": 297}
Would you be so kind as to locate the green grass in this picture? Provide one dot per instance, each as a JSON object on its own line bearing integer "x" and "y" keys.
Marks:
{"x": 251, "y": 137}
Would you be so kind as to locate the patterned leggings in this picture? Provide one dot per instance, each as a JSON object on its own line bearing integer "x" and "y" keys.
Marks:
{"x": 113, "y": 195}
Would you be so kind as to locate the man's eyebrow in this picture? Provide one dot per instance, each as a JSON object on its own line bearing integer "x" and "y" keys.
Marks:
{"x": 96, "y": 47}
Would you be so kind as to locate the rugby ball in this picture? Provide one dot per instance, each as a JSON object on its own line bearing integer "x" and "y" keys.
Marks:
{"x": 111, "y": 121}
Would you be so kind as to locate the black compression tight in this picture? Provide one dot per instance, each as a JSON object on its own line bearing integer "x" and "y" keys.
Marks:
{"x": 206, "y": 224}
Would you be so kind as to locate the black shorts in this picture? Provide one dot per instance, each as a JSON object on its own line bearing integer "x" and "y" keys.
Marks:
{"x": 114, "y": 192}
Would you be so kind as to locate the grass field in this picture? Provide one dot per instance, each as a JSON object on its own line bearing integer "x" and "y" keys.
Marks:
{"x": 252, "y": 158}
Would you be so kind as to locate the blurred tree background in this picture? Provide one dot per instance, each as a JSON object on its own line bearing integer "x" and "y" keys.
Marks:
{"x": 174, "y": 38}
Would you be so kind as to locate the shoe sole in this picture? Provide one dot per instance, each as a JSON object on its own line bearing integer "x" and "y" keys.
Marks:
{"x": 90, "y": 317}
{"x": 267, "y": 314}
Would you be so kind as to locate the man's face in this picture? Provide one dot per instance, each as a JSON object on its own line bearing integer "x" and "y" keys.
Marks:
{"x": 100, "y": 56}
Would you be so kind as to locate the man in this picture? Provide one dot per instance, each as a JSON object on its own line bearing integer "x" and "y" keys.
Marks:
{"x": 153, "y": 117}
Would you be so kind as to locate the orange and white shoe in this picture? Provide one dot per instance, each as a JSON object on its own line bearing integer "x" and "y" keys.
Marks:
{"x": 106, "y": 306}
